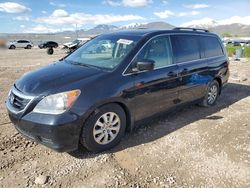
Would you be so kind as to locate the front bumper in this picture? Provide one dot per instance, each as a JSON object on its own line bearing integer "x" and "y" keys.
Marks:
{"x": 60, "y": 133}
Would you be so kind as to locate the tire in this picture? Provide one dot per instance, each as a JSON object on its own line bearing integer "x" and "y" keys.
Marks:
{"x": 212, "y": 94}
{"x": 50, "y": 51}
{"x": 28, "y": 47}
{"x": 12, "y": 47}
{"x": 92, "y": 132}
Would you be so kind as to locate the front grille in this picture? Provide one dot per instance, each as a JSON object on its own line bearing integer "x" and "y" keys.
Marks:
{"x": 18, "y": 102}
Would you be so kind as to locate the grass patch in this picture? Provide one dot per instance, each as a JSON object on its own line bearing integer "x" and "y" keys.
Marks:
{"x": 231, "y": 50}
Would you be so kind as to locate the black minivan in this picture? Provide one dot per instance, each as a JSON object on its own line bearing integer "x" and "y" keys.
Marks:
{"x": 92, "y": 96}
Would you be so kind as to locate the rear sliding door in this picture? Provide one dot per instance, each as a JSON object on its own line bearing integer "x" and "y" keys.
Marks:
{"x": 193, "y": 72}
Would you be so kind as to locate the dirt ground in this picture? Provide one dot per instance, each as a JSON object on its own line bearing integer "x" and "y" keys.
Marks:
{"x": 190, "y": 147}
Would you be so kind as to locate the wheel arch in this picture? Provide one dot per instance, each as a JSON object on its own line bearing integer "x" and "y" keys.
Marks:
{"x": 129, "y": 118}
{"x": 219, "y": 80}
{"x": 12, "y": 45}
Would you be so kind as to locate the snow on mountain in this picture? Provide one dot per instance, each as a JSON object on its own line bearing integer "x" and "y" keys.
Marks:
{"x": 202, "y": 23}
{"x": 210, "y": 23}
{"x": 105, "y": 27}
{"x": 132, "y": 25}
{"x": 150, "y": 25}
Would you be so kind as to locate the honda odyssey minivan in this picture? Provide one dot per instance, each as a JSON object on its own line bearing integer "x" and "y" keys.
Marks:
{"x": 92, "y": 96}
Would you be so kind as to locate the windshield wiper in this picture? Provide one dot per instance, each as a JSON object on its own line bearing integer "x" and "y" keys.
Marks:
{"x": 85, "y": 65}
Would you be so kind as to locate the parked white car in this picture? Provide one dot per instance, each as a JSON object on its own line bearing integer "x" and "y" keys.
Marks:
{"x": 20, "y": 44}
{"x": 71, "y": 46}
{"x": 76, "y": 42}
{"x": 247, "y": 43}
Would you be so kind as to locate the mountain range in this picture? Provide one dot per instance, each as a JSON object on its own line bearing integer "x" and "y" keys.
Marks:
{"x": 235, "y": 29}
{"x": 109, "y": 28}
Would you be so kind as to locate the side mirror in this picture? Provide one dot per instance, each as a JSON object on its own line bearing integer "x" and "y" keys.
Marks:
{"x": 145, "y": 65}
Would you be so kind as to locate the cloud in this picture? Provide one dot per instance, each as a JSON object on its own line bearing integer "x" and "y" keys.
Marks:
{"x": 11, "y": 7}
{"x": 44, "y": 12}
{"x": 209, "y": 22}
{"x": 41, "y": 29}
{"x": 245, "y": 20}
{"x": 168, "y": 13}
{"x": 204, "y": 22}
{"x": 52, "y": 3}
{"x": 112, "y": 3}
{"x": 164, "y": 2}
{"x": 197, "y": 6}
{"x": 60, "y": 13}
{"x": 136, "y": 3}
{"x": 128, "y": 3}
{"x": 61, "y": 17}
{"x": 164, "y": 14}
{"x": 192, "y": 13}
{"x": 22, "y": 18}
{"x": 57, "y": 5}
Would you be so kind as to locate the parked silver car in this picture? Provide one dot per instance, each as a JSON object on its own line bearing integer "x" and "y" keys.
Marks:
{"x": 20, "y": 44}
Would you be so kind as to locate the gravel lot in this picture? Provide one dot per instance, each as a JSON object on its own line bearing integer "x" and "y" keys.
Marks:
{"x": 189, "y": 147}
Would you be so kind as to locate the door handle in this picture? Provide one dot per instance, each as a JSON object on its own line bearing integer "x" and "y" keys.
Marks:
{"x": 171, "y": 74}
{"x": 184, "y": 71}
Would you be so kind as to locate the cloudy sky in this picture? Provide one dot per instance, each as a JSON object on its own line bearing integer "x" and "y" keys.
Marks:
{"x": 58, "y": 15}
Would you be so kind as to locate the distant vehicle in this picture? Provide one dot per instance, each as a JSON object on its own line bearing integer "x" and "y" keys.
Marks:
{"x": 242, "y": 43}
{"x": 247, "y": 43}
{"x": 2, "y": 43}
{"x": 20, "y": 44}
{"x": 234, "y": 43}
{"x": 71, "y": 46}
{"x": 48, "y": 44}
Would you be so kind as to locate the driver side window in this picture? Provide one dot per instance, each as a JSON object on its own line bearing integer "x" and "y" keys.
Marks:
{"x": 159, "y": 50}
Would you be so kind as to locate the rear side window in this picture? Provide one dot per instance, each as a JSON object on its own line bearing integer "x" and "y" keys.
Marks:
{"x": 185, "y": 47}
{"x": 211, "y": 46}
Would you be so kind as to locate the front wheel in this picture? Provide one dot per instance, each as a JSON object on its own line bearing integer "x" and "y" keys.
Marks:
{"x": 104, "y": 129}
{"x": 50, "y": 51}
{"x": 212, "y": 94}
{"x": 28, "y": 47}
{"x": 12, "y": 47}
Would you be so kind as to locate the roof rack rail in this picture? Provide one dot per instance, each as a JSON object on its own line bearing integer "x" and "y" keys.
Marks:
{"x": 189, "y": 28}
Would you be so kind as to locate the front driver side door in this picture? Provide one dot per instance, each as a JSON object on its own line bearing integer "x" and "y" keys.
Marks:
{"x": 155, "y": 90}
{"x": 19, "y": 44}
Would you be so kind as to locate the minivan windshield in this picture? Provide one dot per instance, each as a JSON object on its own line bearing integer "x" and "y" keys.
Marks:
{"x": 105, "y": 51}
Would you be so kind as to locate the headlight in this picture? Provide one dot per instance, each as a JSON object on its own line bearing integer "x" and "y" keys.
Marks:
{"x": 57, "y": 103}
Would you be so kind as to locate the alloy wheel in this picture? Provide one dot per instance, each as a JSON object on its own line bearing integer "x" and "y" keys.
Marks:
{"x": 212, "y": 94}
{"x": 106, "y": 128}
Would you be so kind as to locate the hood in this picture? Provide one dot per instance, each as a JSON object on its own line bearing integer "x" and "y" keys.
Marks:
{"x": 67, "y": 43}
{"x": 71, "y": 45}
{"x": 52, "y": 77}
{"x": 11, "y": 42}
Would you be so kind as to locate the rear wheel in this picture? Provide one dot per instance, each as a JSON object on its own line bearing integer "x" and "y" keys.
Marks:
{"x": 104, "y": 129}
{"x": 212, "y": 94}
{"x": 28, "y": 47}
